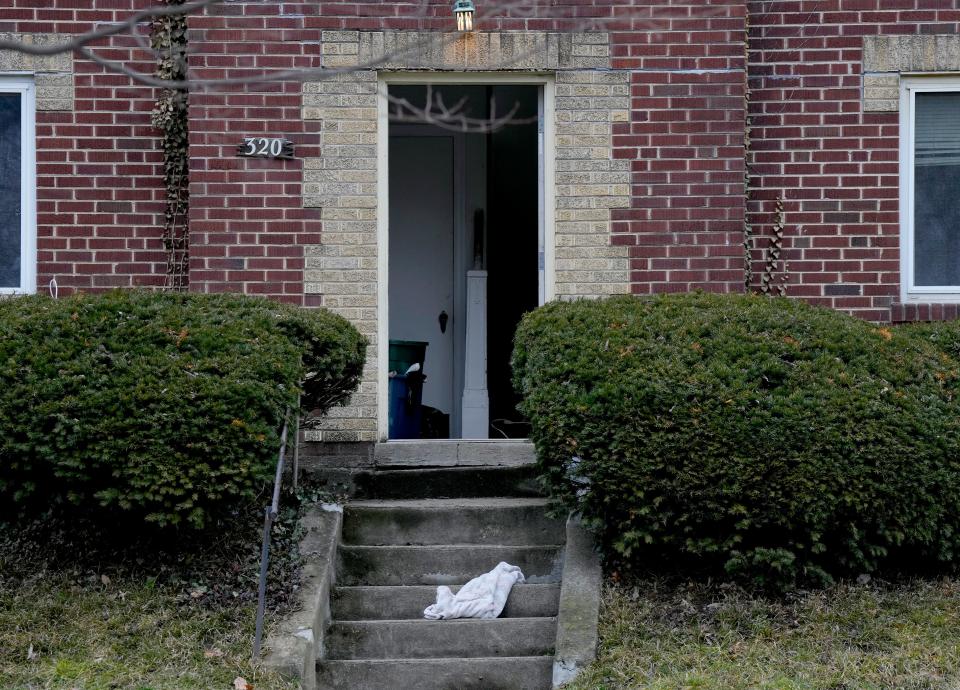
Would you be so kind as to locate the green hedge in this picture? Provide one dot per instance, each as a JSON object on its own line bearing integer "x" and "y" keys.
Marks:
{"x": 166, "y": 405}
{"x": 783, "y": 442}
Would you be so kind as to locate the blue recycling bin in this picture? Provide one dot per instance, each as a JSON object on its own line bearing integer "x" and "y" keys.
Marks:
{"x": 406, "y": 408}
{"x": 406, "y": 389}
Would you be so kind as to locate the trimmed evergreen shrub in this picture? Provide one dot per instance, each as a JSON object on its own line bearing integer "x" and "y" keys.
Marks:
{"x": 166, "y": 405}
{"x": 783, "y": 442}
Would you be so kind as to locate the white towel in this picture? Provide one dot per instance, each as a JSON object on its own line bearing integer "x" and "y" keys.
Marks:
{"x": 482, "y": 597}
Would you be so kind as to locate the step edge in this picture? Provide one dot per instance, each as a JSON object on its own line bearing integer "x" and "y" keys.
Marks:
{"x": 434, "y": 659}
{"x": 470, "y": 545}
{"x": 523, "y": 585}
{"x": 480, "y": 502}
{"x": 451, "y": 620}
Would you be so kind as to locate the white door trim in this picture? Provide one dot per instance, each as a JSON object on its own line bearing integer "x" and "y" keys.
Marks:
{"x": 24, "y": 85}
{"x": 546, "y": 82}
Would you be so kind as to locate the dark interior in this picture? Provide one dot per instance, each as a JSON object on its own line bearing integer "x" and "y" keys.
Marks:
{"x": 512, "y": 253}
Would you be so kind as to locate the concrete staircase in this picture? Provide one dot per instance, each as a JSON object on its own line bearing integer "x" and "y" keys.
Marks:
{"x": 414, "y": 529}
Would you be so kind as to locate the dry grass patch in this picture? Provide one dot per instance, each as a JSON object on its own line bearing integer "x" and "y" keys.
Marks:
{"x": 89, "y": 603}
{"x": 60, "y": 631}
{"x": 656, "y": 635}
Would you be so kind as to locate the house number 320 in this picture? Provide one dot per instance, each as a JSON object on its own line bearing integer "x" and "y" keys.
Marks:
{"x": 265, "y": 147}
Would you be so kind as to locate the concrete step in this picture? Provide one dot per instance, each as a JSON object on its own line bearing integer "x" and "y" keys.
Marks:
{"x": 454, "y": 453}
{"x": 423, "y": 639}
{"x": 398, "y": 603}
{"x": 447, "y": 482}
{"x": 500, "y": 673}
{"x": 506, "y": 521}
{"x": 442, "y": 565}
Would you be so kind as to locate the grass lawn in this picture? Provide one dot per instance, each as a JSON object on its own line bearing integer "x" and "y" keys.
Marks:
{"x": 655, "y": 635}
{"x": 94, "y": 605}
{"x": 60, "y": 631}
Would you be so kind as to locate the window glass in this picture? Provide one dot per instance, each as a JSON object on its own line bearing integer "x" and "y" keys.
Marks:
{"x": 936, "y": 189}
{"x": 10, "y": 181}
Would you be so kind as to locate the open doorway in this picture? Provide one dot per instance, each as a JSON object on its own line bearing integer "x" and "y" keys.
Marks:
{"x": 464, "y": 256}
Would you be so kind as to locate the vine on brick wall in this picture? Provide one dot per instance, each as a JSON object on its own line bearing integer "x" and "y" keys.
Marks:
{"x": 168, "y": 37}
{"x": 770, "y": 284}
{"x": 772, "y": 254}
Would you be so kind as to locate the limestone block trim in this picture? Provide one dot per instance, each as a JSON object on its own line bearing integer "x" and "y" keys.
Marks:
{"x": 53, "y": 74}
{"x": 885, "y": 58}
{"x": 342, "y": 182}
{"x": 589, "y": 183}
{"x": 472, "y": 51}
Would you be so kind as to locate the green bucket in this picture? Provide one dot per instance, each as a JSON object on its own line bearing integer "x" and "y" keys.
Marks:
{"x": 404, "y": 353}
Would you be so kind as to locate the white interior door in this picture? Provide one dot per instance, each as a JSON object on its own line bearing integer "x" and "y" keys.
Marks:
{"x": 421, "y": 259}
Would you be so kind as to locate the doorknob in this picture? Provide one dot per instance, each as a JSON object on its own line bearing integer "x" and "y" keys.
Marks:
{"x": 443, "y": 318}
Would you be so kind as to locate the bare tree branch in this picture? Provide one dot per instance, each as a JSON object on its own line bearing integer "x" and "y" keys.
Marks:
{"x": 81, "y": 44}
{"x": 434, "y": 112}
{"x": 454, "y": 118}
{"x": 105, "y": 31}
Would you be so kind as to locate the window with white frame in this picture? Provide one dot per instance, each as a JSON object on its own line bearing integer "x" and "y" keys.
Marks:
{"x": 18, "y": 238}
{"x": 930, "y": 188}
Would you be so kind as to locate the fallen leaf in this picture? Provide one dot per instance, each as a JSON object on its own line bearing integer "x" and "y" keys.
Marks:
{"x": 240, "y": 683}
{"x": 212, "y": 653}
{"x": 105, "y": 580}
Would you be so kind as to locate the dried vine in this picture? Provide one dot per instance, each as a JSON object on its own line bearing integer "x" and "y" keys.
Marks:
{"x": 768, "y": 285}
{"x": 168, "y": 37}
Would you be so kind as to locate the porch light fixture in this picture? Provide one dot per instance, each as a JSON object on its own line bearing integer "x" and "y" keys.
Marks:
{"x": 464, "y": 11}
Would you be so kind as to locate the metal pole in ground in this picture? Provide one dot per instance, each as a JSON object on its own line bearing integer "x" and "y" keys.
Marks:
{"x": 270, "y": 514}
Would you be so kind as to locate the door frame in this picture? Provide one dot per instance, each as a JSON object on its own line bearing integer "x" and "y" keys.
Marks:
{"x": 548, "y": 192}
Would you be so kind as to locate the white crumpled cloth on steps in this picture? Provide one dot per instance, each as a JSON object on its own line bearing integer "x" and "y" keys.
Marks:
{"x": 482, "y": 597}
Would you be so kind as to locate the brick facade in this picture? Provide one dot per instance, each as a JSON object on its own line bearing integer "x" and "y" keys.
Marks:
{"x": 679, "y": 127}
{"x": 248, "y": 222}
{"x": 825, "y": 139}
{"x": 99, "y": 178}
{"x": 684, "y": 141}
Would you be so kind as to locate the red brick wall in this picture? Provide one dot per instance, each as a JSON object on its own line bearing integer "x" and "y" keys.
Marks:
{"x": 493, "y": 15}
{"x": 100, "y": 195}
{"x": 99, "y": 185}
{"x": 685, "y": 141}
{"x": 834, "y": 166}
{"x": 248, "y": 224}
{"x": 685, "y": 137}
